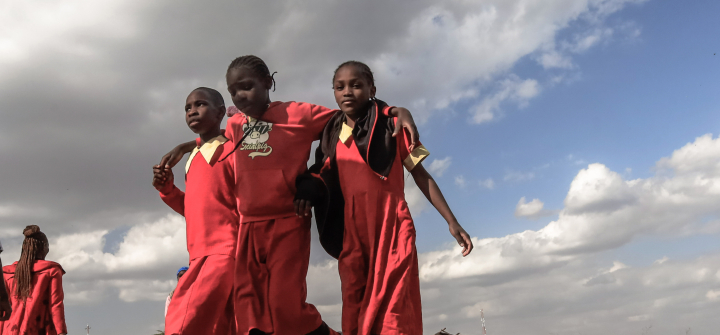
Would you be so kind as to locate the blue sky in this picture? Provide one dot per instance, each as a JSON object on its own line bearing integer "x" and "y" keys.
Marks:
{"x": 567, "y": 136}
{"x": 635, "y": 99}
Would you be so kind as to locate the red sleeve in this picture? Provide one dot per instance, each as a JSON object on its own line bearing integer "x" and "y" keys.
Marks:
{"x": 57, "y": 307}
{"x": 319, "y": 117}
{"x": 386, "y": 111}
{"x": 175, "y": 199}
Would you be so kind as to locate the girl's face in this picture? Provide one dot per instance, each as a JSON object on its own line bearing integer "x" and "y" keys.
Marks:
{"x": 352, "y": 90}
{"x": 201, "y": 114}
{"x": 250, "y": 93}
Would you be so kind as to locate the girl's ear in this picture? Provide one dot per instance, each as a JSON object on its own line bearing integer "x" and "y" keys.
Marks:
{"x": 268, "y": 83}
{"x": 372, "y": 92}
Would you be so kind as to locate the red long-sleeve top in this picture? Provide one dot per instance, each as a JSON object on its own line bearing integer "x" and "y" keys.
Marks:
{"x": 273, "y": 154}
{"x": 208, "y": 203}
{"x": 43, "y": 312}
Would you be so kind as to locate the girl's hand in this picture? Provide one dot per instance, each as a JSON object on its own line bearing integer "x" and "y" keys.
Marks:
{"x": 405, "y": 120}
{"x": 162, "y": 178}
{"x": 5, "y": 309}
{"x": 302, "y": 207}
{"x": 173, "y": 157}
{"x": 462, "y": 238}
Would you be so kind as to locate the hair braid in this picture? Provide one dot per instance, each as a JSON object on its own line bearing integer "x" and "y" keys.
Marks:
{"x": 254, "y": 63}
{"x": 34, "y": 242}
{"x": 362, "y": 67}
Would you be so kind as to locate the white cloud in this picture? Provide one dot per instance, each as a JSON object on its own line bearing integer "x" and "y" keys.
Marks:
{"x": 516, "y": 176}
{"x": 460, "y": 181}
{"x": 487, "y": 183}
{"x": 512, "y": 89}
{"x": 601, "y": 212}
{"x": 531, "y": 210}
{"x": 439, "y": 166}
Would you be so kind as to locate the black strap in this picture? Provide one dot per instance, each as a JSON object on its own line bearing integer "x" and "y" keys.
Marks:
{"x": 237, "y": 144}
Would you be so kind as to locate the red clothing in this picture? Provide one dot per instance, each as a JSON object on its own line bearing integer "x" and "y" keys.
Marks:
{"x": 208, "y": 204}
{"x": 273, "y": 244}
{"x": 43, "y": 312}
{"x": 202, "y": 302}
{"x": 378, "y": 264}
{"x": 276, "y": 253}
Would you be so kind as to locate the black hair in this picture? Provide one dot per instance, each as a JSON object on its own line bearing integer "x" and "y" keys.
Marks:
{"x": 215, "y": 96}
{"x": 362, "y": 67}
{"x": 255, "y": 64}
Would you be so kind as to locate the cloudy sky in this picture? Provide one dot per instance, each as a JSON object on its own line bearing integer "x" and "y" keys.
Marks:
{"x": 576, "y": 141}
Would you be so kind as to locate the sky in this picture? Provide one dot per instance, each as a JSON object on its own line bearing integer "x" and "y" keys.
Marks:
{"x": 575, "y": 140}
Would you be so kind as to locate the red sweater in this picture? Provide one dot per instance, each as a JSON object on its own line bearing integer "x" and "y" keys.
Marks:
{"x": 208, "y": 204}
{"x": 43, "y": 311}
{"x": 274, "y": 153}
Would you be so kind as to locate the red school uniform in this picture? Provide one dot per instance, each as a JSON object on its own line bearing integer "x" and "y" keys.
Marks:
{"x": 202, "y": 302}
{"x": 273, "y": 244}
{"x": 377, "y": 260}
{"x": 43, "y": 312}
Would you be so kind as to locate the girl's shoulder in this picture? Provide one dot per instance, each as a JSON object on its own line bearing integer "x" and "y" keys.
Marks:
{"x": 47, "y": 266}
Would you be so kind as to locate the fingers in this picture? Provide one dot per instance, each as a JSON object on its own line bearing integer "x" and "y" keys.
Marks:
{"x": 165, "y": 159}
{"x": 414, "y": 136}
{"x": 467, "y": 244}
{"x": 302, "y": 207}
{"x": 397, "y": 129}
{"x": 308, "y": 207}
{"x": 174, "y": 159}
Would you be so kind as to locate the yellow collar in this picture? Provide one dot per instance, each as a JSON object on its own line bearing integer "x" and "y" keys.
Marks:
{"x": 345, "y": 133}
{"x": 207, "y": 150}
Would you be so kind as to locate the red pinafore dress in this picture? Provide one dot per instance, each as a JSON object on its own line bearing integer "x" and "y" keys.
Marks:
{"x": 378, "y": 265}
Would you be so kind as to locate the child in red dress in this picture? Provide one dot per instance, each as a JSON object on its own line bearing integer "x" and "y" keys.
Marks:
{"x": 36, "y": 291}
{"x": 202, "y": 301}
{"x": 365, "y": 217}
{"x": 272, "y": 141}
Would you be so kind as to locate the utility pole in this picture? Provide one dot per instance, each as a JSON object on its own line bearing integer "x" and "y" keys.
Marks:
{"x": 88, "y": 329}
{"x": 482, "y": 318}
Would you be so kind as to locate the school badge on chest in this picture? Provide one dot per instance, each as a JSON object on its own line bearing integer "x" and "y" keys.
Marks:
{"x": 256, "y": 140}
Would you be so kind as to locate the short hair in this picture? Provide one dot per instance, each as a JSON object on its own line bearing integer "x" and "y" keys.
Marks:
{"x": 362, "y": 67}
{"x": 254, "y": 63}
{"x": 215, "y": 96}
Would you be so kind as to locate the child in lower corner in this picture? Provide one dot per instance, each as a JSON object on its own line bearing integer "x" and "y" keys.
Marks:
{"x": 363, "y": 217}
{"x": 5, "y": 308}
{"x": 202, "y": 301}
{"x": 36, "y": 291}
{"x": 179, "y": 274}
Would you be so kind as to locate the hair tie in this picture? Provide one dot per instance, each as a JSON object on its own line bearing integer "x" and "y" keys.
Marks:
{"x": 184, "y": 268}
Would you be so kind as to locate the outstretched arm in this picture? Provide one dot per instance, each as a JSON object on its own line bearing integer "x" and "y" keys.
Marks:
{"x": 432, "y": 192}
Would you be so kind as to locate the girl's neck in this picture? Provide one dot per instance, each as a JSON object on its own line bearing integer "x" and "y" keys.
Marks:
{"x": 209, "y": 135}
{"x": 350, "y": 120}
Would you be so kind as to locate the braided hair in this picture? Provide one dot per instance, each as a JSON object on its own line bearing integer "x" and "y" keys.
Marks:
{"x": 362, "y": 67}
{"x": 32, "y": 247}
{"x": 255, "y": 64}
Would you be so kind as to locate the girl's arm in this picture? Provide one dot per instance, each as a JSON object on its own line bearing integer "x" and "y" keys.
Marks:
{"x": 57, "y": 307}
{"x": 432, "y": 192}
{"x": 175, "y": 155}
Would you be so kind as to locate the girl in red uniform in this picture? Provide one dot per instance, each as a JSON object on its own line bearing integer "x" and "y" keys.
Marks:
{"x": 365, "y": 219}
{"x": 36, "y": 291}
{"x": 272, "y": 143}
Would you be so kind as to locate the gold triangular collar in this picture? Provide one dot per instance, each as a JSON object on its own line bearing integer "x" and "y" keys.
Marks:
{"x": 345, "y": 132}
{"x": 207, "y": 150}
